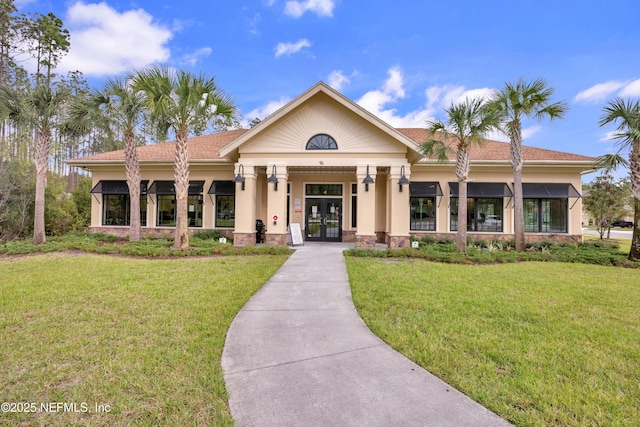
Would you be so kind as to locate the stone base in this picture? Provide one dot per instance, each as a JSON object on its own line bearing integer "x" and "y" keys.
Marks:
{"x": 488, "y": 237}
{"x": 348, "y": 236}
{"x": 276, "y": 239}
{"x": 395, "y": 242}
{"x": 167, "y": 233}
{"x": 366, "y": 241}
{"x": 244, "y": 239}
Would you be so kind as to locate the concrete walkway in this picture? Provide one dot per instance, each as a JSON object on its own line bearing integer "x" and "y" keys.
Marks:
{"x": 298, "y": 354}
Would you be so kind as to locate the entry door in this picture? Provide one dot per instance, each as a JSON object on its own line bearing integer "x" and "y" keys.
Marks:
{"x": 323, "y": 220}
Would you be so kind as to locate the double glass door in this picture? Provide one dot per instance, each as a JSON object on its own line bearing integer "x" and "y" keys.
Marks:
{"x": 323, "y": 220}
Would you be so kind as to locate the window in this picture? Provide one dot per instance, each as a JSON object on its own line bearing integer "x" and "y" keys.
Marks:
{"x": 483, "y": 214}
{"x": 422, "y": 205}
{"x": 546, "y": 207}
{"x": 225, "y": 200}
{"x": 322, "y": 142}
{"x": 354, "y": 205}
{"x": 166, "y": 203}
{"x": 485, "y": 205}
{"x": 116, "y": 209}
{"x": 323, "y": 189}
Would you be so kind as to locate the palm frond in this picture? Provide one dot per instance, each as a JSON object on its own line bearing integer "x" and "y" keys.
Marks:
{"x": 611, "y": 162}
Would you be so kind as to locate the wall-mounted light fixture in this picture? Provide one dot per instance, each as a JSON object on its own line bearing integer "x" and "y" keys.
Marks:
{"x": 367, "y": 180}
{"x": 273, "y": 178}
{"x": 240, "y": 176}
{"x": 403, "y": 178}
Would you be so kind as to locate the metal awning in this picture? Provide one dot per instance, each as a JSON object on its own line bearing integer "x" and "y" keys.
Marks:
{"x": 483, "y": 189}
{"x": 168, "y": 187}
{"x": 425, "y": 189}
{"x": 222, "y": 188}
{"x": 116, "y": 187}
{"x": 535, "y": 190}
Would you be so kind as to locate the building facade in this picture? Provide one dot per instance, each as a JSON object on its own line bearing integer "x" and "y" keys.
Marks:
{"x": 343, "y": 175}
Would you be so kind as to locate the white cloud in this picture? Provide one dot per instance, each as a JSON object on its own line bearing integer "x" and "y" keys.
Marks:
{"x": 319, "y": 7}
{"x": 193, "y": 57}
{"x": 609, "y": 136}
{"x": 599, "y": 92}
{"x": 530, "y": 131}
{"x": 266, "y": 110}
{"x": 104, "y": 41}
{"x": 338, "y": 80}
{"x": 632, "y": 89}
{"x": 291, "y": 48}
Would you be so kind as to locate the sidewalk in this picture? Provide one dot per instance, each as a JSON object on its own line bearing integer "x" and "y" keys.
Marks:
{"x": 298, "y": 354}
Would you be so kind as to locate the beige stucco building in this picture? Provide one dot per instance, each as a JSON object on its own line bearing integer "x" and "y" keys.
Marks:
{"x": 325, "y": 163}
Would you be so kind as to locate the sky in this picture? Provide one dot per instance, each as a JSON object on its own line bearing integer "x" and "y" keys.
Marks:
{"x": 405, "y": 61}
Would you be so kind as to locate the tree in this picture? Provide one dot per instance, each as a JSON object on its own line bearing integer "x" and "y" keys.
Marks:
{"x": 467, "y": 124}
{"x": 626, "y": 116}
{"x": 524, "y": 99}
{"x": 183, "y": 103}
{"x": 605, "y": 202}
{"x": 37, "y": 108}
{"x": 123, "y": 106}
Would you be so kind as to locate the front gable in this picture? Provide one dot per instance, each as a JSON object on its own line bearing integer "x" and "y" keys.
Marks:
{"x": 321, "y": 110}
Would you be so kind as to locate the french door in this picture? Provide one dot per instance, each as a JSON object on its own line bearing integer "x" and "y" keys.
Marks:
{"x": 323, "y": 220}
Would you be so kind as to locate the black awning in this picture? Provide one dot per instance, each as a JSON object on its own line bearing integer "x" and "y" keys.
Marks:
{"x": 483, "y": 189}
{"x": 223, "y": 188}
{"x": 536, "y": 190}
{"x": 116, "y": 187}
{"x": 167, "y": 187}
{"x": 425, "y": 189}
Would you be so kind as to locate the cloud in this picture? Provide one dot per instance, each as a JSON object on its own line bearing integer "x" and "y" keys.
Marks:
{"x": 265, "y": 110}
{"x": 599, "y": 92}
{"x": 193, "y": 57}
{"x": 320, "y": 7}
{"x": 338, "y": 80}
{"x": 609, "y": 136}
{"x": 632, "y": 89}
{"x": 104, "y": 41}
{"x": 291, "y": 48}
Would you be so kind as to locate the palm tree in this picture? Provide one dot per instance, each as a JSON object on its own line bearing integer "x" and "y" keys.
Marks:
{"x": 122, "y": 107}
{"x": 626, "y": 114}
{"x": 524, "y": 99}
{"x": 183, "y": 103}
{"x": 467, "y": 124}
{"x": 39, "y": 109}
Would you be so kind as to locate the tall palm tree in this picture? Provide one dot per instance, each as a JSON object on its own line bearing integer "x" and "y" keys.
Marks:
{"x": 524, "y": 99}
{"x": 467, "y": 124}
{"x": 183, "y": 103}
{"x": 39, "y": 108}
{"x": 626, "y": 115}
{"x": 122, "y": 106}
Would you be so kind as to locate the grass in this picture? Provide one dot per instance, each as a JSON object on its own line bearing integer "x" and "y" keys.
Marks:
{"x": 552, "y": 345}
{"x": 624, "y": 245}
{"x": 142, "y": 336}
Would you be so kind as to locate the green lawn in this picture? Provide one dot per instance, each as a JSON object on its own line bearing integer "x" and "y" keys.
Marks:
{"x": 144, "y": 337}
{"x": 538, "y": 343}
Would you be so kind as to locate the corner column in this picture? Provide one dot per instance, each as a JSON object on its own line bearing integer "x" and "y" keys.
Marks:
{"x": 366, "y": 215}
{"x": 276, "y": 221}
{"x": 244, "y": 233}
{"x": 398, "y": 207}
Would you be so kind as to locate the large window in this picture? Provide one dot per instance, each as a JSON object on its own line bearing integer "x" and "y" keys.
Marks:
{"x": 483, "y": 214}
{"x": 116, "y": 203}
{"x": 546, "y": 207}
{"x": 225, "y": 201}
{"x": 422, "y": 205}
{"x": 166, "y": 203}
{"x": 485, "y": 206}
{"x": 321, "y": 142}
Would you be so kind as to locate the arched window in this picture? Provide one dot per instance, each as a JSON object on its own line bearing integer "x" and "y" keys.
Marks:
{"x": 322, "y": 142}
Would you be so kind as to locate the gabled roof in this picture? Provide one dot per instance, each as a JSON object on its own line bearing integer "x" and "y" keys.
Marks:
{"x": 230, "y": 151}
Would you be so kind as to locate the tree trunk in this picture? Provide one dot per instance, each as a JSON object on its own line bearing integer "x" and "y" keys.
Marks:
{"x": 43, "y": 143}
{"x": 634, "y": 252}
{"x": 515, "y": 137}
{"x": 462, "y": 172}
{"x": 132, "y": 167}
{"x": 181, "y": 176}
{"x": 461, "y": 234}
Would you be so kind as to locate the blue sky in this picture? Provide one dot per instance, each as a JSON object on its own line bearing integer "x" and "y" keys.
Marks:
{"x": 405, "y": 61}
